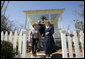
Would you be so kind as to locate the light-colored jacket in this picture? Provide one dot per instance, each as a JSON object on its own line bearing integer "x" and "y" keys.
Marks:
{"x": 34, "y": 34}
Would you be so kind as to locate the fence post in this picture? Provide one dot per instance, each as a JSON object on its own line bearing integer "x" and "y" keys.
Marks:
{"x": 14, "y": 41}
{"x": 6, "y": 38}
{"x": 20, "y": 40}
{"x": 10, "y": 37}
{"x": 82, "y": 41}
{"x": 76, "y": 44}
{"x": 64, "y": 47}
{"x": 70, "y": 46}
{"x": 2, "y": 36}
{"x": 24, "y": 44}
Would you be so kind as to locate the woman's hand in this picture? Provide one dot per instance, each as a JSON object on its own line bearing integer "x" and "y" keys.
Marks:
{"x": 46, "y": 33}
{"x": 30, "y": 40}
{"x": 42, "y": 34}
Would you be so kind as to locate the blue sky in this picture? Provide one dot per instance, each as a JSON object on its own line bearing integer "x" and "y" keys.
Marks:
{"x": 15, "y": 10}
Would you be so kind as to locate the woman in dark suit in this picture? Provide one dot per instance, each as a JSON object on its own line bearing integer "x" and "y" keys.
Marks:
{"x": 49, "y": 44}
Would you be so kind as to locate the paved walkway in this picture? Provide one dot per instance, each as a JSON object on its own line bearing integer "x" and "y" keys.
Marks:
{"x": 41, "y": 54}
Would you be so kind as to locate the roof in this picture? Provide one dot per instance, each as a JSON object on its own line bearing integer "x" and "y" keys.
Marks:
{"x": 47, "y": 11}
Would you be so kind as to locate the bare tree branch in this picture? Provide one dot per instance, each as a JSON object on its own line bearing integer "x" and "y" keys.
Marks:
{"x": 3, "y": 2}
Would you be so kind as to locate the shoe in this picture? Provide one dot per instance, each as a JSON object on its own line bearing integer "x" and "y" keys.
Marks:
{"x": 32, "y": 56}
{"x": 50, "y": 55}
{"x": 35, "y": 55}
{"x": 41, "y": 45}
{"x": 38, "y": 50}
{"x": 47, "y": 57}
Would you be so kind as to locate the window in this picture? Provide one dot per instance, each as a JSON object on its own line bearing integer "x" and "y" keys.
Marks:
{"x": 43, "y": 17}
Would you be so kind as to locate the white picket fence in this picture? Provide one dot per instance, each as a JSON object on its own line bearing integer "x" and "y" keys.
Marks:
{"x": 69, "y": 39}
{"x": 14, "y": 38}
{"x": 21, "y": 38}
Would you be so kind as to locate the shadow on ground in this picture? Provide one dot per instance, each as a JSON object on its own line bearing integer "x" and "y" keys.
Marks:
{"x": 41, "y": 56}
{"x": 53, "y": 56}
{"x": 56, "y": 56}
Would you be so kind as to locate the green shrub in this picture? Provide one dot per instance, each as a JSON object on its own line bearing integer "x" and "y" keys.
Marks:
{"x": 17, "y": 48}
{"x": 80, "y": 45}
{"x": 7, "y": 50}
{"x": 72, "y": 44}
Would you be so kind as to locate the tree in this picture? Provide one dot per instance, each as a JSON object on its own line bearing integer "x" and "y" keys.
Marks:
{"x": 4, "y": 6}
{"x": 79, "y": 24}
{"x": 6, "y": 23}
{"x": 81, "y": 13}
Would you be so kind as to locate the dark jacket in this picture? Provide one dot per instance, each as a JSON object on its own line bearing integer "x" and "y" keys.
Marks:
{"x": 41, "y": 28}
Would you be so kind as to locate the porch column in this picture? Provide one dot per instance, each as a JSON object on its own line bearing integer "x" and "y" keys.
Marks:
{"x": 61, "y": 22}
{"x": 26, "y": 20}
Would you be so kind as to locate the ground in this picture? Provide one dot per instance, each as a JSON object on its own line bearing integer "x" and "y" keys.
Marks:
{"x": 57, "y": 54}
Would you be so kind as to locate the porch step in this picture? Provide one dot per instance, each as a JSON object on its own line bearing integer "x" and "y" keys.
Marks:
{"x": 41, "y": 54}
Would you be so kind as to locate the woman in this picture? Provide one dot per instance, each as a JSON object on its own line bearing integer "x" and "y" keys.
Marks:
{"x": 49, "y": 41}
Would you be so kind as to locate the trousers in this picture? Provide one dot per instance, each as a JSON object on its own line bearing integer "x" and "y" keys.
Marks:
{"x": 34, "y": 45}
